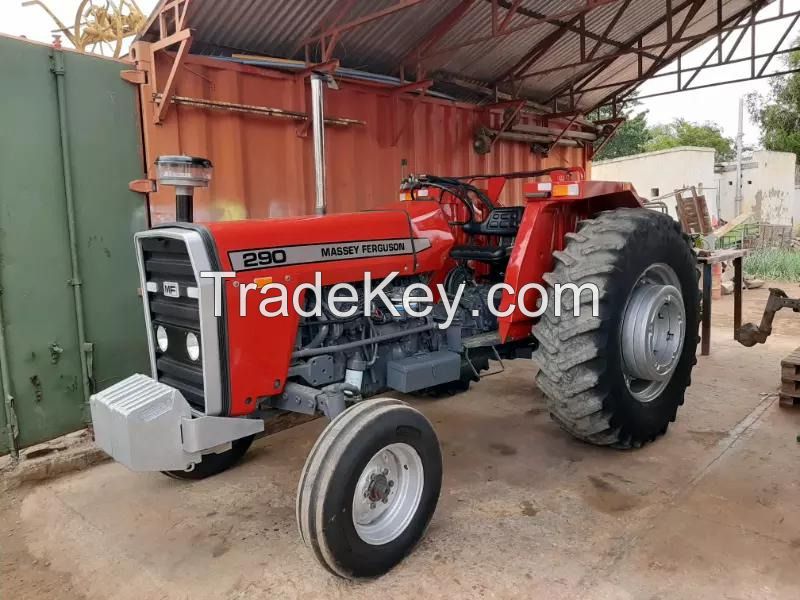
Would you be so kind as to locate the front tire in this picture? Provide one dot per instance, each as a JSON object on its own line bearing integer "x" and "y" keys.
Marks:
{"x": 213, "y": 464}
{"x": 618, "y": 378}
{"x": 369, "y": 488}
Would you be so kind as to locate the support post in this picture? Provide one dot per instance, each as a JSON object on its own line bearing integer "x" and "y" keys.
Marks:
{"x": 705, "y": 331}
{"x": 318, "y": 127}
{"x": 737, "y": 295}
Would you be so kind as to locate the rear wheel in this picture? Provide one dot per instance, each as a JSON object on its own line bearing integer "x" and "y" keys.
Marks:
{"x": 619, "y": 377}
{"x": 213, "y": 464}
{"x": 369, "y": 488}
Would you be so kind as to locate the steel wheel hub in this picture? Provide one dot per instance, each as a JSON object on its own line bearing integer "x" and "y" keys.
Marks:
{"x": 653, "y": 332}
{"x": 387, "y": 494}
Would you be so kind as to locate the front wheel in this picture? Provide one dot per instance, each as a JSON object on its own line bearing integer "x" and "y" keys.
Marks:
{"x": 213, "y": 464}
{"x": 369, "y": 488}
{"x": 618, "y": 377}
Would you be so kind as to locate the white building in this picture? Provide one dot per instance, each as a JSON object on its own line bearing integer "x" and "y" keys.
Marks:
{"x": 768, "y": 180}
{"x": 768, "y": 187}
{"x": 656, "y": 174}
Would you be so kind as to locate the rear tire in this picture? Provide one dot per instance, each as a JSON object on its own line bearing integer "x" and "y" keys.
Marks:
{"x": 369, "y": 488}
{"x": 213, "y": 464}
{"x": 586, "y": 363}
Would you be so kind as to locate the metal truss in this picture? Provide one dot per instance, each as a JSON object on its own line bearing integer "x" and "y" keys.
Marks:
{"x": 654, "y": 47}
{"x": 738, "y": 34}
{"x": 686, "y": 76}
{"x": 598, "y": 49}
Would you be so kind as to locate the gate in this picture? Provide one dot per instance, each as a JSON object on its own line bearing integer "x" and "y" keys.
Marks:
{"x": 70, "y": 315}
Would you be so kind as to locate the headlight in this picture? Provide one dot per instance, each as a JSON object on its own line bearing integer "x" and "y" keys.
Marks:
{"x": 162, "y": 339}
{"x": 192, "y": 346}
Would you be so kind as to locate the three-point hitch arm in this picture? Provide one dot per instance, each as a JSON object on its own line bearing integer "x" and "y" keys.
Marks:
{"x": 749, "y": 334}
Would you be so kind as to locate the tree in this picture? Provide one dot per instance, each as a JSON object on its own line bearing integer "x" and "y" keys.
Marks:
{"x": 778, "y": 114}
{"x": 630, "y": 137}
{"x": 681, "y": 132}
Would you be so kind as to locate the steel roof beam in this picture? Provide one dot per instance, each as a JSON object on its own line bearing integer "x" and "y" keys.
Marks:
{"x": 569, "y": 26}
{"x": 337, "y": 30}
{"x": 778, "y": 45}
{"x": 534, "y": 20}
{"x": 753, "y": 10}
{"x": 535, "y": 53}
{"x": 510, "y": 14}
{"x": 690, "y": 15}
{"x": 663, "y": 60}
{"x": 697, "y": 69}
{"x": 719, "y": 83}
{"x": 607, "y": 32}
{"x": 726, "y": 30}
{"x": 721, "y": 39}
{"x": 439, "y": 31}
{"x": 627, "y": 88}
{"x": 332, "y": 17}
{"x": 629, "y": 44}
{"x": 518, "y": 71}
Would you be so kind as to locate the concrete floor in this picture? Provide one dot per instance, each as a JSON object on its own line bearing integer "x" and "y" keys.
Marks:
{"x": 712, "y": 510}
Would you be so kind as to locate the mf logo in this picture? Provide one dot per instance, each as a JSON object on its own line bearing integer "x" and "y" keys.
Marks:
{"x": 171, "y": 289}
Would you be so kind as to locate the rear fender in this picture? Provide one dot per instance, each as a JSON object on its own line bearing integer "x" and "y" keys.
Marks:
{"x": 542, "y": 231}
{"x": 545, "y": 223}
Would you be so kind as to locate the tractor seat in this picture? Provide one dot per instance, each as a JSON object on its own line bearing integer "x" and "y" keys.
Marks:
{"x": 503, "y": 222}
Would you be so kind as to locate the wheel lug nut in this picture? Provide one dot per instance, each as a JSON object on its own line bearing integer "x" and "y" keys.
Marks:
{"x": 391, "y": 484}
{"x": 386, "y": 471}
{"x": 386, "y": 500}
{"x": 372, "y": 505}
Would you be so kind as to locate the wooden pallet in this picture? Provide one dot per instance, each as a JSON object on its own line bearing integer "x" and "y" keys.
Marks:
{"x": 693, "y": 213}
{"x": 790, "y": 379}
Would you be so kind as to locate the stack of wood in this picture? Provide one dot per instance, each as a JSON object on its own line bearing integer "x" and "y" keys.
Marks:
{"x": 790, "y": 379}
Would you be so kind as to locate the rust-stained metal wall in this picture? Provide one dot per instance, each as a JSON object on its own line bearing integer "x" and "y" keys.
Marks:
{"x": 263, "y": 168}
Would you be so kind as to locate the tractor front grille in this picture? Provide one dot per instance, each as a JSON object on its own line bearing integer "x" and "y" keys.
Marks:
{"x": 172, "y": 296}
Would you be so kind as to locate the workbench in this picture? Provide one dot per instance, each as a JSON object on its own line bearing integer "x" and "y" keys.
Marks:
{"x": 706, "y": 258}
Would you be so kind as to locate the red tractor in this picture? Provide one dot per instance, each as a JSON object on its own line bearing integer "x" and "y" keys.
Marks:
{"x": 600, "y": 292}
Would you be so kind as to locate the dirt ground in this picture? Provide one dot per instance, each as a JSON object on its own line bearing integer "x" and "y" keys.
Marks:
{"x": 712, "y": 510}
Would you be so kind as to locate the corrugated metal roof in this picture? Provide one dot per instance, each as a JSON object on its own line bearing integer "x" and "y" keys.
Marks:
{"x": 279, "y": 27}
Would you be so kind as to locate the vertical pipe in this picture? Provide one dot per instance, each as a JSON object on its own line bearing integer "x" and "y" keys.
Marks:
{"x": 66, "y": 159}
{"x": 5, "y": 383}
{"x": 318, "y": 124}
{"x": 737, "y": 202}
{"x": 184, "y": 205}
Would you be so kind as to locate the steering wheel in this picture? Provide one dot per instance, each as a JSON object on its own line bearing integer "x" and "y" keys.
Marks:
{"x": 470, "y": 209}
{"x": 461, "y": 192}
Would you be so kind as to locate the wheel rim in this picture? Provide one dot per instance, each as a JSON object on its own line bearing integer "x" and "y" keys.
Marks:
{"x": 653, "y": 332}
{"x": 387, "y": 494}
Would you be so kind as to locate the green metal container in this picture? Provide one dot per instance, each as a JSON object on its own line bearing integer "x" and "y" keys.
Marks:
{"x": 70, "y": 317}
